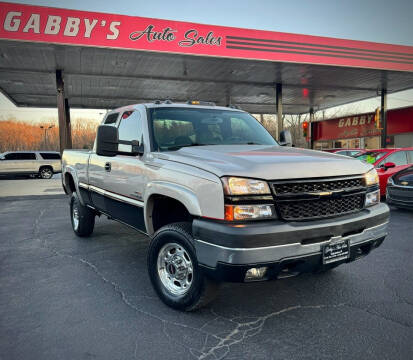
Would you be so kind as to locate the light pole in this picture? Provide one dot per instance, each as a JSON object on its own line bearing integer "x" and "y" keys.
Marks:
{"x": 45, "y": 128}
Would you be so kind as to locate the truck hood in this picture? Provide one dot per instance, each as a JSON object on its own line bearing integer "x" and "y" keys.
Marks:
{"x": 266, "y": 162}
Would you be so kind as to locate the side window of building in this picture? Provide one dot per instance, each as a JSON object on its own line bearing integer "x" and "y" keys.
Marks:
{"x": 399, "y": 158}
{"x": 50, "y": 156}
{"x": 111, "y": 119}
{"x": 130, "y": 128}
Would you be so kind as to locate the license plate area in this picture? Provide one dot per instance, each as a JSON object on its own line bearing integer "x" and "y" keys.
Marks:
{"x": 336, "y": 250}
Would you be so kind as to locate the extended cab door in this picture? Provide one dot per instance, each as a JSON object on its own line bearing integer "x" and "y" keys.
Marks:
{"x": 97, "y": 175}
{"x": 124, "y": 180}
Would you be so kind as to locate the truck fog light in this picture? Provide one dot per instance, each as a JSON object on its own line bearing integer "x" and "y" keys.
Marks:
{"x": 372, "y": 198}
{"x": 256, "y": 273}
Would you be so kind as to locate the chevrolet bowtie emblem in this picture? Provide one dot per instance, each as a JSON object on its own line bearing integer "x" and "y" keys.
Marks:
{"x": 404, "y": 183}
{"x": 322, "y": 193}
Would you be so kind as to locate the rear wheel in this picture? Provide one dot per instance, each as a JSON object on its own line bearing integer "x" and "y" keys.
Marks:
{"x": 174, "y": 271}
{"x": 82, "y": 218}
{"x": 46, "y": 172}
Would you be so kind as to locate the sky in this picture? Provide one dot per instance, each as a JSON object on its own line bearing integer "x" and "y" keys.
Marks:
{"x": 381, "y": 21}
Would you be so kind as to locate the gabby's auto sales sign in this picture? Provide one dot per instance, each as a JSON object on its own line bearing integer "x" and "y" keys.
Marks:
{"x": 61, "y": 26}
{"x": 82, "y": 28}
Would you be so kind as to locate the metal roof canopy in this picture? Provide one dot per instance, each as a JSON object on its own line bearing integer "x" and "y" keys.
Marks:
{"x": 114, "y": 60}
{"x": 108, "y": 78}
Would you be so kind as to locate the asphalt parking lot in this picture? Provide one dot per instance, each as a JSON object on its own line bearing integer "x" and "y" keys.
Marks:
{"x": 62, "y": 297}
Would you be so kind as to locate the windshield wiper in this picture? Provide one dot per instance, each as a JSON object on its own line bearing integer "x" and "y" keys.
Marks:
{"x": 177, "y": 147}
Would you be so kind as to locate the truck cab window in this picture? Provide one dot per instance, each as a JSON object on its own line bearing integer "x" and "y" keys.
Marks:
{"x": 130, "y": 128}
{"x": 111, "y": 119}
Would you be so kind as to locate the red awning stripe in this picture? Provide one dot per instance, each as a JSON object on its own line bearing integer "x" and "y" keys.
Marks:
{"x": 319, "y": 53}
{"x": 358, "y": 50}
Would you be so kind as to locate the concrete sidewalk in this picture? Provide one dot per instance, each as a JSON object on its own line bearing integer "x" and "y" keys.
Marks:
{"x": 31, "y": 187}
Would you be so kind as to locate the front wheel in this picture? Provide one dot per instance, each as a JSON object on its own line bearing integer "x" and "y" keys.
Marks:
{"x": 82, "y": 218}
{"x": 174, "y": 271}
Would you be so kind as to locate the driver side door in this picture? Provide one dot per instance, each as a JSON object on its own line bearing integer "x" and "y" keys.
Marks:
{"x": 124, "y": 182}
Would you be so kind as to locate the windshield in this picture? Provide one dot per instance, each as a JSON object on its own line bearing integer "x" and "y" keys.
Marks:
{"x": 175, "y": 127}
{"x": 371, "y": 156}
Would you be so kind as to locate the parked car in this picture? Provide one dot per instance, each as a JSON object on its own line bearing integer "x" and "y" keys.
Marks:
{"x": 39, "y": 163}
{"x": 220, "y": 199}
{"x": 344, "y": 151}
{"x": 400, "y": 189}
{"x": 388, "y": 162}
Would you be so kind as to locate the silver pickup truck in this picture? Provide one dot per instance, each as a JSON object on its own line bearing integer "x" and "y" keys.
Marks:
{"x": 220, "y": 199}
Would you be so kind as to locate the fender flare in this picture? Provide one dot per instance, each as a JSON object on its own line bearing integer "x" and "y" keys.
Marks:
{"x": 178, "y": 192}
{"x": 70, "y": 170}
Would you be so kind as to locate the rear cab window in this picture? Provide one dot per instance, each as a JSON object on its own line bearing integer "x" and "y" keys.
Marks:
{"x": 111, "y": 119}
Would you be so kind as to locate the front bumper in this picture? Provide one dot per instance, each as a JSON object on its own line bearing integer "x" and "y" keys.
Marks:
{"x": 226, "y": 251}
{"x": 400, "y": 196}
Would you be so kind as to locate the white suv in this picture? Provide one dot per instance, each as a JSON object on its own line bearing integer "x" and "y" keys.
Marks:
{"x": 40, "y": 163}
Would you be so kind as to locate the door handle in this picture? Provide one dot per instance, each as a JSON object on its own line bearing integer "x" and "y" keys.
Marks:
{"x": 108, "y": 166}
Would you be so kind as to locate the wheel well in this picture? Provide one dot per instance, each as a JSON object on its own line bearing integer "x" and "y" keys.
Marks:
{"x": 69, "y": 184}
{"x": 45, "y": 167}
{"x": 164, "y": 210}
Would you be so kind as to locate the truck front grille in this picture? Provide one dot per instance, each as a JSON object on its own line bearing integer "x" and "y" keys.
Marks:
{"x": 316, "y": 186}
{"x": 319, "y": 198}
{"x": 315, "y": 209}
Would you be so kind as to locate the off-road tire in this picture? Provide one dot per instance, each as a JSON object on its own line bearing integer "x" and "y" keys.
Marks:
{"x": 202, "y": 290}
{"x": 85, "y": 217}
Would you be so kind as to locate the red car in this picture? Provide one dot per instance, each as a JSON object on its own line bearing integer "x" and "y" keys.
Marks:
{"x": 388, "y": 162}
{"x": 345, "y": 151}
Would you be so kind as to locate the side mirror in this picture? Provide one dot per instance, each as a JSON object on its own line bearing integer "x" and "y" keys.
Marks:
{"x": 286, "y": 138}
{"x": 107, "y": 140}
{"x": 389, "y": 165}
{"x": 132, "y": 148}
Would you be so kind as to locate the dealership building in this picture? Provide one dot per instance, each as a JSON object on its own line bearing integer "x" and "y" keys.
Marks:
{"x": 360, "y": 131}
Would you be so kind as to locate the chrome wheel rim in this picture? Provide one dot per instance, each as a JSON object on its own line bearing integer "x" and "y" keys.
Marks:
{"x": 75, "y": 217}
{"x": 46, "y": 173}
{"x": 175, "y": 269}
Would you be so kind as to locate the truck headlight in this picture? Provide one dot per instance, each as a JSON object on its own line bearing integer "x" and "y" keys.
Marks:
{"x": 249, "y": 212}
{"x": 371, "y": 178}
{"x": 242, "y": 186}
{"x": 390, "y": 181}
{"x": 372, "y": 198}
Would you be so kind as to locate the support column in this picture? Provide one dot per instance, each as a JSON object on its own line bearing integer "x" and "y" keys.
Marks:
{"x": 310, "y": 131}
{"x": 383, "y": 117}
{"x": 68, "y": 125}
{"x": 61, "y": 111}
{"x": 279, "y": 108}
